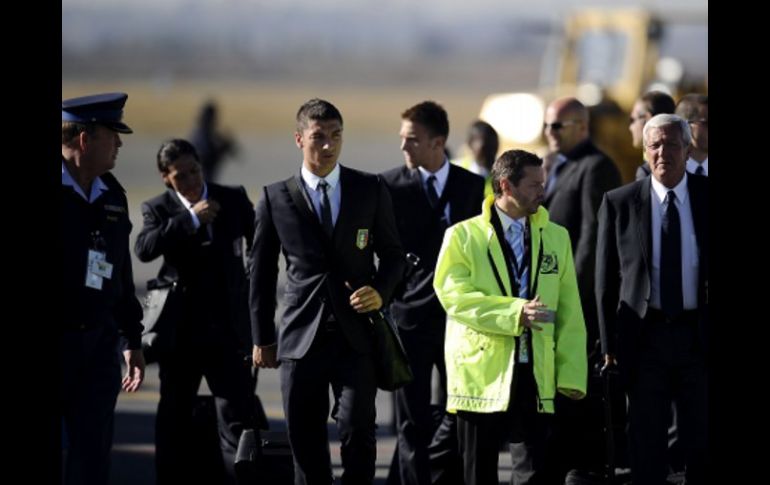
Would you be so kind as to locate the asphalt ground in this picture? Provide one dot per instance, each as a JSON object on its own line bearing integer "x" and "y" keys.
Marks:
{"x": 133, "y": 449}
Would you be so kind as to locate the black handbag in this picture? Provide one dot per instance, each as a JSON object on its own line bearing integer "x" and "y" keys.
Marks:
{"x": 161, "y": 307}
{"x": 390, "y": 362}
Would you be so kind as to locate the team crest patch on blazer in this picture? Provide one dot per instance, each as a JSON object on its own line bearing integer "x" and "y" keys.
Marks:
{"x": 362, "y": 238}
{"x": 550, "y": 264}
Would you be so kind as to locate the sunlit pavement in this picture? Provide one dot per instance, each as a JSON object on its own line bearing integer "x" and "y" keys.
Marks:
{"x": 133, "y": 450}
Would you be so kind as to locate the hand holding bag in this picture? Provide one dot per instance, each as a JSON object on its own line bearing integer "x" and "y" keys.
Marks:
{"x": 390, "y": 361}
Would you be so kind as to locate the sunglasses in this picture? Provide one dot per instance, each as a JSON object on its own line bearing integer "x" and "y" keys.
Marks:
{"x": 559, "y": 124}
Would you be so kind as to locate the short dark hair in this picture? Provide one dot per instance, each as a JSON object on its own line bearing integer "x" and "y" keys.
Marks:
{"x": 430, "y": 115}
{"x": 172, "y": 150}
{"x": 510, "y": 165}
{"x": 316, "y": 110}
{"x": 657, "y": 102}
{"x": 690, "y": 104}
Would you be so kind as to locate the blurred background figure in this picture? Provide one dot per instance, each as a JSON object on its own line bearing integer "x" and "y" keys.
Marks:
{"x": 649, "y": 105}
{"x": 213, "y": 146}
{"x": 694, "y": 108}
{"x": 483, "y": 144}
{"x": 575, "y": 186}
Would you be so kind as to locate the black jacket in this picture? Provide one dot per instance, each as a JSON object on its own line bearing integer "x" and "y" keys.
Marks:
{"x": 574, "y": 203}
{"x": 624, "y": 265}
{"x": 422, "y": 232}
{"x": 115, "y": 304}
{"x": 209, "y": 267}
{"x": 317, "y": 267}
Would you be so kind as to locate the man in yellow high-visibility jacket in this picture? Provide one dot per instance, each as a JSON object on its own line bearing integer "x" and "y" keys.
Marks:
{"x": 515, "y": 332}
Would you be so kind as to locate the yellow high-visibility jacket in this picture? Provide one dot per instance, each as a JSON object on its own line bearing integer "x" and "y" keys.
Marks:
{"x": 482, "y": 322}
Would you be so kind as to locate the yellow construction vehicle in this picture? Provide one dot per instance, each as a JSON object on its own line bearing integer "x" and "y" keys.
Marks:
{"x": 607, "y": 59}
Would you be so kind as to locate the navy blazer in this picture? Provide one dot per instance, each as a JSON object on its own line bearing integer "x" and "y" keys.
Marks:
{"x": 415, "y": 302}
{"x": 624, "y": 264}
{"x": 317, "y": 267}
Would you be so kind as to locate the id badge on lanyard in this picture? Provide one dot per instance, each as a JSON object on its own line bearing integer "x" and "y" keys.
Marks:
{"x": 97, "y": 266}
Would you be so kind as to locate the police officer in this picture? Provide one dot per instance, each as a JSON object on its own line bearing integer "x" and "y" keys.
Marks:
{"x": 101, "y": 315}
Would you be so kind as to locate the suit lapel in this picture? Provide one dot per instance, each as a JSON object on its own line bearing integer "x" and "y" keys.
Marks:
{"x": 449, "y": 191}
{"x": 644, "y": 218}
{"x": 697, "y": 206}
{"x": 415, "y": 184}
{"x": 346, "y": 197}
{"x": 303, "y": 204}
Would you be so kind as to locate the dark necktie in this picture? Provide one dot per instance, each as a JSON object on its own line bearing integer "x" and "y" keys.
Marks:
{"x": 671, "y": 259}
{"x": 326, "y": 209}
{"x": 699, "y": 170}
{"x": 431, "y": 191}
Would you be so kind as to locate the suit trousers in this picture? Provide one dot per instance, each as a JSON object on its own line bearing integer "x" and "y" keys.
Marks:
{"x": 90, "y": 383}
{"x": 210, "y": 352}
{"x": 305, "y": 389}
{"x": 527, "y": 431}
{"x": 670, "y": 367}
{"x": 415, "y": 422}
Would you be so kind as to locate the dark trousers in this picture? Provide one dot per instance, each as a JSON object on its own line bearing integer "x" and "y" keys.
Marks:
{"x": 305, "y": 389}
{"x": 670, "y": 367}
{"x": 89, "y": 386}
{"x": 528, "y": 431}
{"x": 415, "y": 420}
{"x": 211, "y": 353}
{"x": 446, "y": 464}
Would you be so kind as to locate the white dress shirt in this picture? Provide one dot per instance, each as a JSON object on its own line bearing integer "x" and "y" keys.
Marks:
{"x": 333, "y": 191}
{"x": 692, "y": 165}
{"x": 689, "y": 243}
{"x": 442, "y": 174}
{"x": 189, "y": 205}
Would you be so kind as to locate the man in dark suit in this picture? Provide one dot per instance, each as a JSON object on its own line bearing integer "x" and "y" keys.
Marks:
{"x": 579, "y": 178}
{"x": 652, "y": 298}
{"x": 427, "y": 198}
{"x": 199, "y": 228}
{"x": 329, "y": 221}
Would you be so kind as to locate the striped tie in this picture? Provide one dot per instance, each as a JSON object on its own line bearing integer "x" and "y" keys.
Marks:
{"x": 515, "y": 237}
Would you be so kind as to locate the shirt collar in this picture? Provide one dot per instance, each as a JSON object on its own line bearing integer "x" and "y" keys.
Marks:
{"x": 97, "y": 187}
{"x": 661, "y": 190}
{"x": 692, "y": 165}
{"x": 507, "y": 220}
{"x": 187, "y": 203}
{"x": 312, "y": 179}
{"x": 441, "y": 174}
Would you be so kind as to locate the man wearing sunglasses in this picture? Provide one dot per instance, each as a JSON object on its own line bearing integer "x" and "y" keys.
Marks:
{"x": 579, "y": 178}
